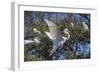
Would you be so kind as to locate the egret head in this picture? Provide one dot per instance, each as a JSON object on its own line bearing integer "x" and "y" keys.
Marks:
{"x": 34, "y": 29}
{"x": 66, "y": 33}
{"x": 66, "y": 30}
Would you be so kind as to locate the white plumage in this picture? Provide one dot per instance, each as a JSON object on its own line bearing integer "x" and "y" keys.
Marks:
{"x": 55, "y": 36}
{"x": 72, "y": 24}
{"x": 28, "y": 41}
{"x": 36, "y": 41}
{"x": 85, "y": 26}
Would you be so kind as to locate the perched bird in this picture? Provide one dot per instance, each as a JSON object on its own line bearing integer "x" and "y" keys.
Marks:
{"x": 72, "y": 24}
{"x": 35, "y": 41}
{"x": 57, "y": 39}
{"x": 36, "y": 31}
{"x": 85, "y": 26}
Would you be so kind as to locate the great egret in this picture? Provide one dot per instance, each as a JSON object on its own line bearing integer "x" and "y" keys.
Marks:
{"x": 85, "y": 26}
{"x": 36, "y": 31}
{"x": 36, "y": 41}
{"x": 57, "y": 39}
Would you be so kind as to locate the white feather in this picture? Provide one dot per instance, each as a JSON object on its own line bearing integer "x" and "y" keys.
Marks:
{"x": 72, "y": 24}
{"x": 54, "y": 35}
{"x": 32, "y": 41}
{"x": 49, "y": 35}
{"x": 85, "y": 27}
{"x": 28, "y": 41}
{"x": 36, "y": 40}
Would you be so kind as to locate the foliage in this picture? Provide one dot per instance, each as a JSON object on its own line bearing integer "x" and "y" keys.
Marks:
{"x": 70, "y": 47}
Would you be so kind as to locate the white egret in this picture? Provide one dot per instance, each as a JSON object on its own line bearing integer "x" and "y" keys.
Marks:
{"x": 57, "y": 39}
{"x": 72, "y": 24}
{"x": 85, "y": 26}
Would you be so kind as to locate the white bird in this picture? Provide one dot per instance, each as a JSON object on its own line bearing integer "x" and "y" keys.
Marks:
{"x": 72, "y": 24}
{"x": 36, "y": 31}
{"x": 55, "y": 36}
{"x": 36, "y": 41}
{"x": 85, "y": 26}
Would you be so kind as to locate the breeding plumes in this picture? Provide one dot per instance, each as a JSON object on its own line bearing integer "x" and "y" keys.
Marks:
{"x": 35, "y": 41}
{"x": 57, "y": 39}
{"x": 28, "y": 41}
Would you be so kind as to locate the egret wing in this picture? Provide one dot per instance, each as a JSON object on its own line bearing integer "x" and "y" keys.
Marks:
{"x": 53, "y": 29}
